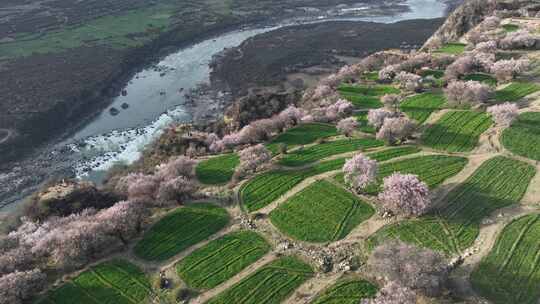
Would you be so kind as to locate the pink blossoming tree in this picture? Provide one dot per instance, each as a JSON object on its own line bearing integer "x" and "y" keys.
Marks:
{"x": 405, "y": 194}
{"x": 393, "y": 293}
{"x": 347, "y": 126}
{"x": 504, "y": 114}
{"x": 376, "y": 117}
{"x": 359, "y": 172}
{"x": 466, "y": 93}
{"x": 396, "y": 129}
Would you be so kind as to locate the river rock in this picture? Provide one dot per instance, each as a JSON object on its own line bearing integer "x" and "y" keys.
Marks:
{"x": 125, "y": 105}
{"x": 114, "y": 111}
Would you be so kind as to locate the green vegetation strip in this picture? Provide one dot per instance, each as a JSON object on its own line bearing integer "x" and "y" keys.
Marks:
{"x": 347, "y": 292}
{"x": 432, "y": 169}
{"x": 363, "y": 124}
{"x": 419, "y": 107}
{"x": 271, "y": 284}
{"x": 523, "y": 137}
{"x": 302, "y": 135}
{"x": 116, "y": 281}
{"x": 516, "y": 91}
{"x": 366, "y": 96}
{"x": 457, "y": 131}
{"x": 498, "y": 183}
{"x": 217, "y": 170}
{"x": 322, "y": 212}
{"x": 484, "y": 78}
{"x": 452, "y": 48}
{"x": 510, "y": 27}
{"x": 269, "y": 186}
{"x": 221, "y": 259}
{"x": 181, "y": 229}
{"x": 311, "y": 154}
{"x": 510, "y": 274}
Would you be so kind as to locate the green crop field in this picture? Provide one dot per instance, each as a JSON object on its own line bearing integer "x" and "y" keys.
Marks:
{"x": 318, "y": 152}
{"x": 116, "y": 281}
{"x": 432, "y": 169}
{"x": 499, "y": 182}
{"x": 366, "y": 96}
{"x": 510, "y": 27}
{"x": 510, "y": 274}
{"x": 302, "y": 135}
{"x": 221, "y": 259}
{"x": 363, "y": 125}
{"x": 435, "y": 73}
{"x": 270, "y": 284}
{"x": 483, "y": 78}
{"x": 269, "y": 186}
{"x": 452, "y": 48}
{"x": 419, "y": 107}
{"x": 371, "y": 76}
{"x": 457, "y": 131}
{"x": 516, "y": 91}
{"x": 217, "y": 170}
{"x": 181, "y": 229}
{"x": 523, "y": 137}
{"x": 347, "y": 292}
{"x": 322, "y": 212}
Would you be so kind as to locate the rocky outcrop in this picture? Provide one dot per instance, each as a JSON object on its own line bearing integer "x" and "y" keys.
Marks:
{"x": 463, "y": 19}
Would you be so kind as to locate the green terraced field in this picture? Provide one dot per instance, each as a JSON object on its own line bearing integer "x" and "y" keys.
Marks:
{"x": 217, "y": 170}
{"x": 499, "y": 182}
{"x": 269, "y": 186}
{"x": 510, "y": 27}
{"x": 221, "y": 259}
{"x": 452, "y": 48}
{"x": 435, "y": 73}
{"x": 366, "y": 96}
{"x": 523, "y": 137}
{"x": 432, "y": 169}
{"x": 271, "y": 284}
{"x": 347, "y": 292}
{"x": 371, "y": 76}
{"x": 457, "y": 131}
{"x": 322, "y": 212}
{"x": 363, "y": 125}
{"x": 484, "y": 78}
{"x": 302, "y": 135}
{"x": 113, "y": 282}
{"x": 419, "y": 107}
{"x": 181, "y": 229}
{"x": 510, "y": 274}
{"x": 318, "y": 152}
{"x": 516, "y": 91}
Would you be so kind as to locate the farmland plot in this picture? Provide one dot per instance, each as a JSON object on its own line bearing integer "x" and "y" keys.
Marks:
{"x": 452, "y": 48}
{"x": 221, "y": 259}
{"x": 419, "y": 107}
{"x": 217, "y": 170}
{"x": 483, "y": 78}
{"x": 457, "y": 131}
{"x": 113, "y": 282}
{"x": 181, "y": 229}
{"x": 363, "y": 125}
{"x": 271, "y": 284}
{"x": 366, "y": 96}
{"x": 347, "y": 292}
{"x": 322, "y": 212}
{"x": 269, "y": 186}
{"x": 314, "y": 153}
{"x": 523, "y": 137}
{"x": 432, "y": 169}
{"x": 302, "y": 135}
{"x": 497, "y": 183}
{"x": 510, "y": 274}
{"x": 516, "y": 91}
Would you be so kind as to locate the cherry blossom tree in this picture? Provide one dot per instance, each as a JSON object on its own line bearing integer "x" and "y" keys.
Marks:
{"x": 123, "y": 220}
{"x": 408, "y": 81}
{"x": 391, "y": 101}
{"x": 405, "y": 194}
{"x": 172, "y": 191}
{"x": 347, "y": 126}
{"x": 518, "y": 40}
{"x": 486, "y": 47}
{"x": 291, "y": 115}
{"x": 460, "y": 93}
{"x": 393, "y": 293}
{"x": 340, "y": 109}
{"x": 388, "y": 73}
{"x": 138, "y": 186}
{"x": 178, "y": 166}
{"x": 422, "y": 270}
{"x": 19, "y": 286}
{"x": 360, "y": 171}
{"x": 376, "y": 117}
{"x": 507, "y": 70}
{"x": 504, "y": 114}
{"x": 253, "y": 157}
{"x": 396, "y": 129}
{"x": 321, "y": 91}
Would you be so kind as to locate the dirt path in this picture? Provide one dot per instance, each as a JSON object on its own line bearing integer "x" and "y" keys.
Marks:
{"x": 205, "y": 296}
{"x": 307, "y": 292}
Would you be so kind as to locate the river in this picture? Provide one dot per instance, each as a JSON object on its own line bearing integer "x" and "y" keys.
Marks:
{"x": 156, "y": 97}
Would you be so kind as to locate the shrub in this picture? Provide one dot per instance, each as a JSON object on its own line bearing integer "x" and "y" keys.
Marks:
{"x": 419, "y": 269}
{"x": 460, "y": 93}
{"x": 359, "y": 172}
{"x": 504, "y": 114}
{"x": 405, "y": 194}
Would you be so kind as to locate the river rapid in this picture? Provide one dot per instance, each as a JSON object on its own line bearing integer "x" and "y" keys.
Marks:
{"x": 157, "y": 96}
